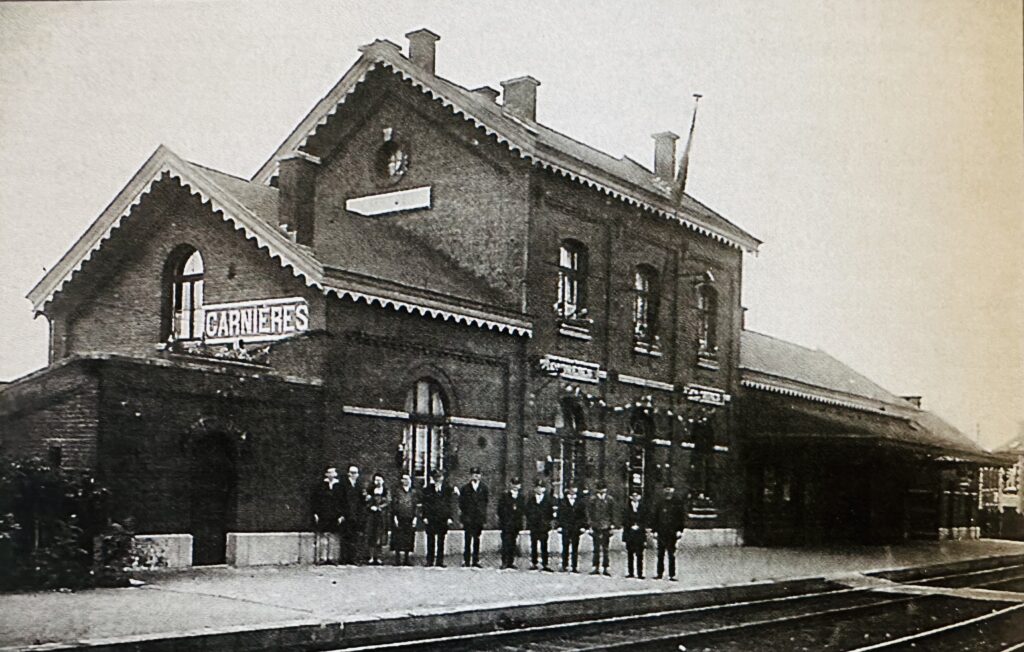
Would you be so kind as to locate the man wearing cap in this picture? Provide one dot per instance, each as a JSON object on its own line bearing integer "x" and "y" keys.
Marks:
{"x": 572, "y": 521}
{"x": 473, "y": 513}
{"x": 634, "y": 533}
{"x": 539, "y": 514}
{"x": 437, "y": 516}
{"x": 667, "y": 522}
{"x": 510, "y": 521}
{"x": 600, "y": 511}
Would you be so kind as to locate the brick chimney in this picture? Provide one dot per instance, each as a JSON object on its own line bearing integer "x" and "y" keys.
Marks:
{"x": 422, "y": 48}
{"x": 520, "y": 97}
{"x": 665, "y": 155}
{"x": 296, "y": 185}
{"x": 913, "y": 400}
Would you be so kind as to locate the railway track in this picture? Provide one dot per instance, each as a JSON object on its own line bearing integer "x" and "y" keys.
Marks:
{"x": 930, "y": 614}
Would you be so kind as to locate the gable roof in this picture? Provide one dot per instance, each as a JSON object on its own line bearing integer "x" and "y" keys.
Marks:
{"x": 252, "y": 209}
{"x": 619, "y": 177}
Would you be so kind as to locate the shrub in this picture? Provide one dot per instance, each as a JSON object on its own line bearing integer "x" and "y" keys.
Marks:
{"x": 55, "y": 531}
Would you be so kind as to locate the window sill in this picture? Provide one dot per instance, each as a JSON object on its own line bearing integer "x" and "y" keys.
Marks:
{"x": 647, "y": 348}
{"x": 575, "y": 331}
{"x": 708, "y": 361}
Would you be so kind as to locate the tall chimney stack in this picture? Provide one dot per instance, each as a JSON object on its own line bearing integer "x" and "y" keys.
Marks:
{"x": 422, "y": 49}
{"x": 520, "y": 97}
{"x": 296, "y": 185}
{"x": 665, "y": 155}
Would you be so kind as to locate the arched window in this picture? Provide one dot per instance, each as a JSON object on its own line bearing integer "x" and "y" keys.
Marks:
{"x": 646, "y": 288}
{"x": 707, "y": 307}
{"x": 186, "y": 295}
{"x": 424, "y": 440}
{"x": 569, "y": 454}
{"x": 572, "y": 280}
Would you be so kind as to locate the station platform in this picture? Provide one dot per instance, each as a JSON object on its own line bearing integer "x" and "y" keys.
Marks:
{"x": 221, "y": 607}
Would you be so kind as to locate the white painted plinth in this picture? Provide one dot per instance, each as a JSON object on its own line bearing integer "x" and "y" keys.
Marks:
{"x": 269, "y": 548}
{"x": 172, "y": 550}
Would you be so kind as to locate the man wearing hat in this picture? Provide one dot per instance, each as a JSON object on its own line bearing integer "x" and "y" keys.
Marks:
{"x": 667, "y": 522}
{"x": 539, "y": 514}
{"x": 634, "y": 533}
{"x": 600, "y": 511}
{"x": 473, "y": 513}
{"x": 510, "y": 521}
{"x": 437, "y": 516}
{"x": 572, "y": 520}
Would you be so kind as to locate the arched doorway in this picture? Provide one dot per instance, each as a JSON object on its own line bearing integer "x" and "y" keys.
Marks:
{"x": 212, "y": 495}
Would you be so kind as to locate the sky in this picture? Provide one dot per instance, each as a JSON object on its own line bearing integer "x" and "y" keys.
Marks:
{"x": 875, "y": 146}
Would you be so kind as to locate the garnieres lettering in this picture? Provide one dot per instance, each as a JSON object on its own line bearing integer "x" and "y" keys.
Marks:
{"x": 255, "y": 321}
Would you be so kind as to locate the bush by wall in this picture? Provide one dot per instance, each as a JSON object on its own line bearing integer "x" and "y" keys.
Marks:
{"x": 55, "y": 531}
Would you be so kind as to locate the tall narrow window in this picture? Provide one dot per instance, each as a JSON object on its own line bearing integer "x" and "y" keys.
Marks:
{"x": 572, "y": 280}
{"x": 570, "y": 453}
{"x": 645, "y": 304}
{"x": 707, "y": 306}
{"x": 423, "y": 443}
{"x": 187, "y": 298}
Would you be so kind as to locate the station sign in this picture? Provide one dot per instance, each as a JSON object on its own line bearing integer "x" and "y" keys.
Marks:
{"x": 569, "y": 369}
{"x": 706, "y": 395}
{"x": 260, "y": 320}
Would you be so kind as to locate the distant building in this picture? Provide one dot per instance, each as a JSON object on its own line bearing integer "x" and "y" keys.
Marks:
{"x": 424, "y": 277}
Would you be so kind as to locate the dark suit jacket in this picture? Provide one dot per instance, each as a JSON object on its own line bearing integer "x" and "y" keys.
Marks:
{"x": 600, "y": 512}
{"x": 572, "y": 518}
{"x": 510, "y": 512}
{"x": 473, "y": 506}
{"x": 353, "y": 503}
{"x": 539, "y": 515}
{"x": 668, "y": 517}
{"x": 327, "y": 505}
{"x": 437, "y": 507}
{"x": 631, "y": 518}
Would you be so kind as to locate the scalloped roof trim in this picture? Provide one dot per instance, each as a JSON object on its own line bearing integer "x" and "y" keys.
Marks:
{"x": 330, "y": 104}
{"x": 164, "y": 164}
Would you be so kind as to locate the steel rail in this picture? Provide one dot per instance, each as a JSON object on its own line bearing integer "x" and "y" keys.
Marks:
{"x": 658, "y": 615}
{"x": 939, "y": 630}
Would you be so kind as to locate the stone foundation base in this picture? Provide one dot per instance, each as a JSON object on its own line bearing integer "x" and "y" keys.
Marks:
{"x": 269, "y": 548}
{"x": 164, "y": 550}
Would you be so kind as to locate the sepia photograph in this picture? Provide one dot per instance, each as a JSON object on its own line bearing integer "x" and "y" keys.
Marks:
{"x": 466, "y": 326}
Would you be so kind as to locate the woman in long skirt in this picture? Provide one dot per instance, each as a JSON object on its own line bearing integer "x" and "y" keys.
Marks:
{"x": 377, "y": 504}
{"x": 405, "y": 504}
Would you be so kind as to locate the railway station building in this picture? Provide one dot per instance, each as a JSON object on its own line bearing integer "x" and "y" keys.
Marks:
{"x": 425, "y": 276}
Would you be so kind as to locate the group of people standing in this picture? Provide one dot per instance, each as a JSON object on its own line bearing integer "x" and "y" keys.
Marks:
{"x": 354, "y": 523}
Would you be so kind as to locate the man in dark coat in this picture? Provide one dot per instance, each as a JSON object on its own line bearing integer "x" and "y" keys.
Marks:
{"x": 510, "y": 521}
{"x": 437, "y": 516}
{"x": 600, "y": 511}
{"x": 668, "y": 521}
{"x": 572, "y": 521}
{"x": 634, "y": 533}
{"x": 353, "y": 510}
{"x": 473, "y": 514}
{"x": 539, "y": 514}
{"x": 327, "y": 517}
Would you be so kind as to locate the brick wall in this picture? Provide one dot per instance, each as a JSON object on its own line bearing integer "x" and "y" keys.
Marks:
{"x": 478, "y": 191}
{"x": 117, "y": 302}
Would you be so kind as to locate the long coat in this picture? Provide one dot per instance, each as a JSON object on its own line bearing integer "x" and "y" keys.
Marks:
{"x": 437, "y": 507}
{"x": 377, "y": 519}
{"x": 572, "y": 518}
{"x": 473, "y": 506}
{"x": 510, "y": 512}
{"x": 405, "y": 507}
{"x": 539, "y": 515}
{"x": 634, "y": 517}
{"x": 327, "y": 506}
